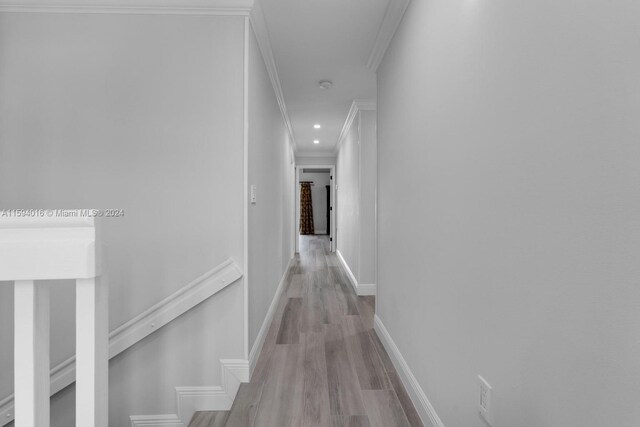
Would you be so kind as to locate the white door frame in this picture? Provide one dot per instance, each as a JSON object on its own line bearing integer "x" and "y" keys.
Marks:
{"x": 333, "y": 183}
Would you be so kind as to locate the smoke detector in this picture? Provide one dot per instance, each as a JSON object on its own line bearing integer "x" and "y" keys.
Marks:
{"x": 325, "y": 84}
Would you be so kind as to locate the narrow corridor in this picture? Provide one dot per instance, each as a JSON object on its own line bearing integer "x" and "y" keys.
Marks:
{"x": 322, "y": 363}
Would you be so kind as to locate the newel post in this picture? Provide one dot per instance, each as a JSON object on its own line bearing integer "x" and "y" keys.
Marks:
{"x": 44, "y": 248}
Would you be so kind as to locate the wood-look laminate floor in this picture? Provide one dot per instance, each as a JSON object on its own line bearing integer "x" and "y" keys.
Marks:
{"x": 322, "y": 364}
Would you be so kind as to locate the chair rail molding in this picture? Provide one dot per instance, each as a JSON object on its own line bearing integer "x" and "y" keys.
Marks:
{"x": 390, "y": 23}
{"x": 145, "y": 324}
{"x": 418, "y": 397}
{"x": 148, "y": 7}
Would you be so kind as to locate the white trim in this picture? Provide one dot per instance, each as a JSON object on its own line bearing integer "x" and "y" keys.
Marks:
{"x": 264, "y": 329}
{"x": 261, "y": 32}
{"x": 233, "y": 372}
{"x": 201, "y": 398}
{"x": 173, "y": 306}
{"x": 135, "y": 7}
{"x": 45, "y": 248}
{"x": 418, "y": 397}
{"x": 296, "y": 206}
{"x": 367, "y": 289}
{"x": 293, "y": 186}
{"x": 334, "y": 216}
{"x": 143, "y": 325}
{"x": 192, "y": 399}
{"x": 156, "y": 421}
{"x": 245, "y": 190}
{"x": 360, "y": 289}
{"x": 390, "y": 23}
{"x": 356, "y": 106}
{"x": 345, "y": 266}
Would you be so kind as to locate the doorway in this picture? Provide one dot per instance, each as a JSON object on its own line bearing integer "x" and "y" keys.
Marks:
{"x": 315, "y": 186}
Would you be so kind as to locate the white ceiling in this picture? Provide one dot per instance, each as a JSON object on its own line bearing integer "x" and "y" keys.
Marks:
{"x": 315, "y": 40}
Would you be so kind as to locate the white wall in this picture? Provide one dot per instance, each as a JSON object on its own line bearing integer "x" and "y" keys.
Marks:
{"x": 509, "y": 208}
{"x": 315, "y": 161}
{"x": 368, "y": 187}
{"x": 142, "y": 113}
{"x": 356, "y": 172}
{"x": 348, "y": 196}
{"x": 271, "y": 169}
{"x": 318, "y": 198}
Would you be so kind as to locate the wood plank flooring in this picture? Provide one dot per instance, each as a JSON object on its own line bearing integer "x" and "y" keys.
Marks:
{"x": 209, "y": 419}
{"x": 322, "y": 364}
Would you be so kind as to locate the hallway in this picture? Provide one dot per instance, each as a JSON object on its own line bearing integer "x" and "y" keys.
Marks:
{"x": 322, "y": 364}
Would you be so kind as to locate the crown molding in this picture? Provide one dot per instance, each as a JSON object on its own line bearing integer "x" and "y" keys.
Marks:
{"x": 390, "y": 23}
{"x": 356, "y": 106}
{"x": 259, "y": 25}
{"x": 134, "y": 7}
{"x": 248, "y": 8}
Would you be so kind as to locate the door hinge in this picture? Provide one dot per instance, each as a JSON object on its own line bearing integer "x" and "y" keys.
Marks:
{"x": 331, "y": 239}
{"x": 331, "y": 208}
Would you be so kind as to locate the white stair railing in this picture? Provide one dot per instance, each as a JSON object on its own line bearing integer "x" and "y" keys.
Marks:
{"x": 44, "y": 248}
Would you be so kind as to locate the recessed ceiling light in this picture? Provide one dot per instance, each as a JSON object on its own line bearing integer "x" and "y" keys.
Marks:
{"x": 325, "y": 84}
{"x": 316, "y": 126}
{"x": 316, "y": 141}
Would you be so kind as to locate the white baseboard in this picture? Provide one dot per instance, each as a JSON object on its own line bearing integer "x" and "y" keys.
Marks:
{"x": 233, "y": 372}
{"x": 192, "y": 399}
{"x": 143, "y": 325}
{"x": 418, "y": 397}
{"x": 360, "y": 289}
{"x": 352, "y": 278}
{"x": 262, "y": 334}
{"x": 367, "y": 289}
{"x": 157, "y": 421}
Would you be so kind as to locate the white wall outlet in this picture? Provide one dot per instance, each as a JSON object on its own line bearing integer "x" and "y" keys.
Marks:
{"x": 484, "y": 400}
{"x": 253, "y": 195}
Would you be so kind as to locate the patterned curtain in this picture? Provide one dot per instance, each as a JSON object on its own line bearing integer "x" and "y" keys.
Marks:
{"x": 306, "y": 209}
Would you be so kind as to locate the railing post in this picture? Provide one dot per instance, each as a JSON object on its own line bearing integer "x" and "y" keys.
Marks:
{"x": 92, "y": 353}
{"x": 31, "y": 354}
{"x": 53, "y": 247}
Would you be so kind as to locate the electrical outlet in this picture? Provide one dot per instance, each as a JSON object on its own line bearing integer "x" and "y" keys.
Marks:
{"x": 484, "y": 400}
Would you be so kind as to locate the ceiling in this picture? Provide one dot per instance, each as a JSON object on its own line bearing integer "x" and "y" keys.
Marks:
{"x": 315, "y": 40}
